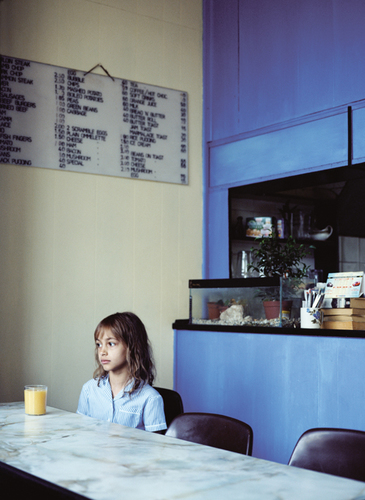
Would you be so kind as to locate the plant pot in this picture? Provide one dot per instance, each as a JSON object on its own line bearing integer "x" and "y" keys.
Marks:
{"x": 213, "y": 310}
{"x": 272, "y": 307}
{"x": 221, "y": 309}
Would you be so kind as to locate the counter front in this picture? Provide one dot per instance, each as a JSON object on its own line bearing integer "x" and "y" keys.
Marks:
{"x": 281, "y": 381}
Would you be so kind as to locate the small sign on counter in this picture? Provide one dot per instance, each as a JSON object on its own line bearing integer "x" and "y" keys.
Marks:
{"x": 343, "y": 285}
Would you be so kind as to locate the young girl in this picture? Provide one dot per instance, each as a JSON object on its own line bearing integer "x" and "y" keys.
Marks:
{"x": 121, "y": 389}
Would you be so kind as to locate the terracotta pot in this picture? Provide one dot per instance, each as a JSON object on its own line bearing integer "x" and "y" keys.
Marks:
{"x": 221, "y": 309}
{"x": 213, "y": 310}
{"x": 272, "y": 307}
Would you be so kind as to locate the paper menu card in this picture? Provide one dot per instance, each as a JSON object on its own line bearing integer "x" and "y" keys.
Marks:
{"x": 345, "y": 284}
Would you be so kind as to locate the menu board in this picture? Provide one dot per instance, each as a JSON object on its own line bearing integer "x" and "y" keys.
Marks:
{"x": 61, "y": 118}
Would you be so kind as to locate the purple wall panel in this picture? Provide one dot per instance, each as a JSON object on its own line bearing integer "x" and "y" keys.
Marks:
{"x": 359, "y": 135}
{"x": 349, "y": 46}
{"x": 309, "y": 146}
{"x": 268, "y": 62}
{"x": 221, "y": 71}
{"x": 217, "y": 237}
{"x": 281, "y": 385}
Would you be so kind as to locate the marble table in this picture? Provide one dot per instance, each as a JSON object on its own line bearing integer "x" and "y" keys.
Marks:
{"x": 105, "y": 461}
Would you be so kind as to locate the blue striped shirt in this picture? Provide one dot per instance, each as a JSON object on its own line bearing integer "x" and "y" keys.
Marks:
{"x": 143, "y": 409}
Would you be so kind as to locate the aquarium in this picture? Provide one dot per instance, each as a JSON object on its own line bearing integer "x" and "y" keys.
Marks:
{"x": 246, "y": 301}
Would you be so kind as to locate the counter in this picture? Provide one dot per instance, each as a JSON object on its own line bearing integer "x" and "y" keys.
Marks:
{"x": 183, "y": 324}
{"x": 280, "y": 381}
{"x": 105, "y": 461}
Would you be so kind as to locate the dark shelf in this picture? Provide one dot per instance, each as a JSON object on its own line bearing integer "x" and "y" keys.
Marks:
{"x": 305, "y": 241}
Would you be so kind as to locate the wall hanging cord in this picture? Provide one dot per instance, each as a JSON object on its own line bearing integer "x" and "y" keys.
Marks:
{"x": 102, "y": 67}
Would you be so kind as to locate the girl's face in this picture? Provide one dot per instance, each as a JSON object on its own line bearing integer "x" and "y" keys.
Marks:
{"x": 112, "y": 353}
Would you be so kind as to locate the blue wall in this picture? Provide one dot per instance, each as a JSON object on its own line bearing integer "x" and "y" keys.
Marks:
{"x": 269, "y": 61}
{"x": 279, "y": 76}
{"x": 281, "y": 385}
{"x": 278, "y": 79}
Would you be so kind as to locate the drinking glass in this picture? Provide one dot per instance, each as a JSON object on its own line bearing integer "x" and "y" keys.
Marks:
{"x": 35, "y": 399}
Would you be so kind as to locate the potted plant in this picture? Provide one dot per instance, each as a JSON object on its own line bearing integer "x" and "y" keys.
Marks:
{"x": 274, "y": 257}
{"x": 215, "y": 308}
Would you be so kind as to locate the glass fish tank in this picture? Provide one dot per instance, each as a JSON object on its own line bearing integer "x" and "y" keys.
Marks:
{"x": 273, "y": 302}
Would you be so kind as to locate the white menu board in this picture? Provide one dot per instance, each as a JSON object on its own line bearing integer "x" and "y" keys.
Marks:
{"x": 61, "y": 118}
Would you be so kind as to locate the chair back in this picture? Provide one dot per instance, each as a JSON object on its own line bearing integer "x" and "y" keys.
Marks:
{"x": 173, "y": 404}
{"x": 214, "y": 430}
{"x": 340, "y": 452}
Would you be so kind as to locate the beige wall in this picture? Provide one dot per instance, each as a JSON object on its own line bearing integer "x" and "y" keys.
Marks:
{"x": 77, "y": 247}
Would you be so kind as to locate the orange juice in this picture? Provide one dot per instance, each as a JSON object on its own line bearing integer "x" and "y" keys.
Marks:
{"x": 35, "y": 399}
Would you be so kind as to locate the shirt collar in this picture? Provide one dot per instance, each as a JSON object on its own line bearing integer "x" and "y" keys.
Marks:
{"x": 124, "y": 391}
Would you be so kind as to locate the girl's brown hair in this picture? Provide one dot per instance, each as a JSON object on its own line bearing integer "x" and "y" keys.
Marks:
{"x": 128, "y": 328}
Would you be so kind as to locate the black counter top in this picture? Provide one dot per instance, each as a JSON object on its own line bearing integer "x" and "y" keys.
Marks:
{"x": 183, "y": 324}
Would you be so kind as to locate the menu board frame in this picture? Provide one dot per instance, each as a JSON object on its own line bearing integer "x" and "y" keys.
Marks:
{"x": 67, "y": 119}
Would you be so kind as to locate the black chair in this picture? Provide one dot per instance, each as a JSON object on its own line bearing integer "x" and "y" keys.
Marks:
{"x": 173, "y": 404}
{"x": 214, "y": 430}
{"x": 340, "y": 452}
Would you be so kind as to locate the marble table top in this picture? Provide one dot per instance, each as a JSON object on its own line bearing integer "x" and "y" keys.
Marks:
{"x": 105, "y": 461}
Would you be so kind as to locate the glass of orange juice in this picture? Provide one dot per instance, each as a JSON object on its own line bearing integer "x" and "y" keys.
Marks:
{"x": 35, "y": 399}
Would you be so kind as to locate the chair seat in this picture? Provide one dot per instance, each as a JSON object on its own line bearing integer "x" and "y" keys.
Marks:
{"x": 340, "y": 452}
{"x": 214, "y": 430}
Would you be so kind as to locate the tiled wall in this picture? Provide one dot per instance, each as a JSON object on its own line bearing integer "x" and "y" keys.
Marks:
{"x": 351, "y": 253}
